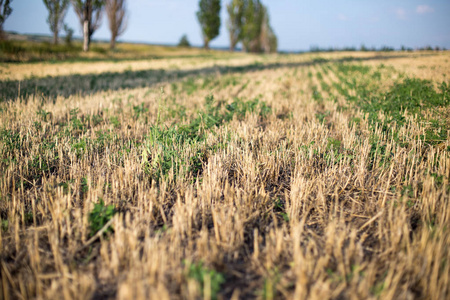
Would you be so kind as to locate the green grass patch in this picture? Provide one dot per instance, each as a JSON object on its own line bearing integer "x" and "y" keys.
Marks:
{"x": 199, "y": 273}
{"x": 100, "y": 216}
{"x": 166, "y": 148}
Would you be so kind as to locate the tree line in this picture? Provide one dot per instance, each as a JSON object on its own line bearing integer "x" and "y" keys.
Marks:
{"x": 89, "y": 12}
{"x": 248, "y": 21}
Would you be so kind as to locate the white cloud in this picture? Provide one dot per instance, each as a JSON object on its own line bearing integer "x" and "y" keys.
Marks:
{"x": 401, "y": 13}
{"x": 423, "y": 9}
{"x": 342, "y": 17}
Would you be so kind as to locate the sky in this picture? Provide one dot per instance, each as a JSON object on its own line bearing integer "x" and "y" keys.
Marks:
{"x": 299, "y": 24}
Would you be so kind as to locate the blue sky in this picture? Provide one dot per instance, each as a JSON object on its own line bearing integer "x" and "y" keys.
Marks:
{"x": 299, "y": 24}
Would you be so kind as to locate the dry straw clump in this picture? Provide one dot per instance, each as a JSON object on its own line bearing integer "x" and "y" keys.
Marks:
{"x": 299, "y": 177}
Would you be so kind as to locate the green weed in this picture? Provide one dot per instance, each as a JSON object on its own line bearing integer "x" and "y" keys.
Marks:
{"x": 4, "y": 225}
{"x": 139, "y": 110}
{"x": 199, "y": 273}
{"x": 99, "y": 216}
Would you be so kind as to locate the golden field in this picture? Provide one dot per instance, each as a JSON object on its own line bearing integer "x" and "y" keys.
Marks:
{"x": 226, "y": 176}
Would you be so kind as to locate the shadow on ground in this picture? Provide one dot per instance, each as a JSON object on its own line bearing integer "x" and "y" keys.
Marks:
{"x": 65, "y": 86}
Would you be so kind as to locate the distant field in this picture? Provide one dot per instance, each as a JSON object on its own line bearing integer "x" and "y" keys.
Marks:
{"x": 185, "y": 174}
{"x": 28, "y": 48}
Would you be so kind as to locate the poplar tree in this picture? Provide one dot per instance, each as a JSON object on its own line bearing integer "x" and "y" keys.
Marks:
{"x": 5, "y": 11}
{"x": 252, "y": 24}
{"x": 57, "y": 10}
{"x": 235, "y": 13}
{"x": 268, "y": 39}
{"x": 117, "y": 19}
{"x": 256, "y": 34}
{"x": 209, "y": 19}
{"x": 90, "y": 15}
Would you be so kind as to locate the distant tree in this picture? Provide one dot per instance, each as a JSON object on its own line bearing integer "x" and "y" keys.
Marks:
{"x": 268, "y": 39}
{"x": 252, "y": 25}
{"x": 256, "y": 33}
{"x": 57, "y": 10}
{"x": 348, "y": 48}
{"x": 314, "y": 48}
{"x": 116, "y": 11}
{"x": 5, "y": 11}
{"x": 184, "y": 42}
{"x": 386, "y": 49}
{"x": 69, "y": 35}
{"x": 209, "y": 18}
{"x": 235, "y": 15}
{"x": 90, "y": 14}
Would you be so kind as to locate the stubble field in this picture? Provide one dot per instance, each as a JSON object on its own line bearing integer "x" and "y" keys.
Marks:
{"x": 226, "y": 176}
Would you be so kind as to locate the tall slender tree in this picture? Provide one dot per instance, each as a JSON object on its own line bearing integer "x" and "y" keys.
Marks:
{"x": 117, "y": 19}
{"x": 90, "y": 15}
{"x": 209, "y": 18}
{"x": 252, "y": 24}
{"x": 57, "y": 10}
{"x": 235, "y": 13}
{"x": 268, "y": 39}
{"x": 5, "y": 11}
{"x": 256, "y": 34}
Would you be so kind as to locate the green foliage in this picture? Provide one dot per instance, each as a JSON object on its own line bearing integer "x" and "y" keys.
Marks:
{"x": 76, "y": 124}
{"x": 252, "y": 25}
{"x": 279, "y": 208}
{"x": 184, "y": 42}
{"x": 209, "y": 19}
{"x": 190, "y": 86}
{"x": 139, "y": 110}
{"x": 378, "y": 154}
{"x": 234, "y": 24}
{"x": 114, "y": 120}
{"x": 317, "y": 96}
{"x": 80, "y": 147}
{"x": 11, "y": 141}
{"x": 100, "y": 216}
{"x": 268, "y": 39}
{"x": 348, "y": 69}
{"x": 84, "y": 186}
{"x": 96, "y": 120}
{"x": 66, "y": 186}
{"x": 57, "y": 10}
{"x": 322, "y": 116}
{"x": 163, "y": 151}
{"x": 214, "y": 115}
{"x": 4, "y": 225}
{"x": 334, "y": 144}
{"x": 18, "y": 49}
{"x": 36, "y": 166}
{"x": 116, "y": 11}
{"x": 378, "y": 288}
{"x": 336, "y": 152}
{"x": 69, "y": 35}
{"x": 269, "y": 291}
{"x": 198, "y": 272}
{"x": 249, "y": 23}
{"x": 43, "y": 114}
{"x": 410, "y": 96}
{"x": 90, "y": 11}
{"x": 164, "y": 145}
